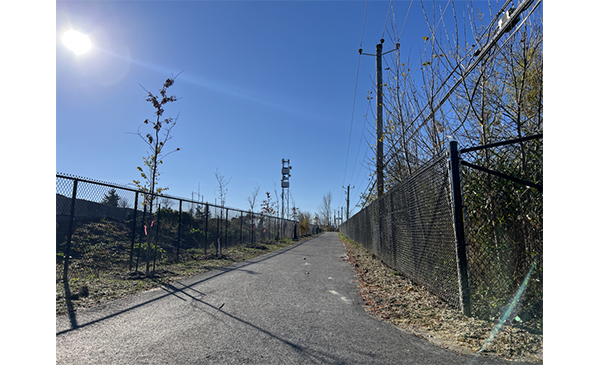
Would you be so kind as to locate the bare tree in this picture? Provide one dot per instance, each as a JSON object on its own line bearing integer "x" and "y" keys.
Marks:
{"x": 222, "y": 186}
{"x": 166, "y": 203}
{"x": 431, "y": 99}
{"x": 266, "y": 207}
{"x": 325, "y": 209}
{"x": 252, "y": 197}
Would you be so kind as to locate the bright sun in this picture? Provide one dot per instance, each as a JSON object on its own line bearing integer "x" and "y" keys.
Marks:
{"x": 77, "y": 42}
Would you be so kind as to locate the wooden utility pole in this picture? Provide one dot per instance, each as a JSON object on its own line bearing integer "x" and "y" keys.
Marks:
{"x": 347, "y": 200}
{"x": 379, "y": 100}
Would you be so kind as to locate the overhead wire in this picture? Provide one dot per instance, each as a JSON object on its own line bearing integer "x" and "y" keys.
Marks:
{"x": 397, "y": 38}
{"x": 355, "y": 91}
{"x": 459, "y": 64}
{"x": 386, "y": 19}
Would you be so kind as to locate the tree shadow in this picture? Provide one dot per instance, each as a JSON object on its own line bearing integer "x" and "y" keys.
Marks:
{"x": 181, "y": 291}
{"x": 216, "y": 273}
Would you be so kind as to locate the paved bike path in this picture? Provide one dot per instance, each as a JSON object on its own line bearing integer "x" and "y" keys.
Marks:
{"x": 298, "y": 305}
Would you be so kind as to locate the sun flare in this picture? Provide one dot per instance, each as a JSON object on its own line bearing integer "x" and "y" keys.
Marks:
{"x": 77, "y": 42}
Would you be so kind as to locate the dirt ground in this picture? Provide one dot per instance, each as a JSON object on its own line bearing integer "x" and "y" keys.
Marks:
{"x": 410, "y": 307}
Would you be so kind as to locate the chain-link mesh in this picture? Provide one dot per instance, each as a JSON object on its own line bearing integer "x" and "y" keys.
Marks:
{"x": 411, "y": 229}
{"x": 112, "y": 231}
{"x": 504, "y": 228}
{"x": 101, "y": 228}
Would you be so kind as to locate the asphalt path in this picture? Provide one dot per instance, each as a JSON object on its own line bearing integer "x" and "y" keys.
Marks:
{"x": 298, "y": 305}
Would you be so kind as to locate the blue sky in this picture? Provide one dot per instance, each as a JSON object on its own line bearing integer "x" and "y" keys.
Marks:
{"x": 262, "y": 81}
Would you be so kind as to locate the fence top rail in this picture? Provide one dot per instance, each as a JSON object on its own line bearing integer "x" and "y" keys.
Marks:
{"x": 497, "y": 144}
{"x": 117, "y": 186}
{"x": 407, "y": 180}
{"x": 421, "y": 170}
{"x": 93, "y": 181}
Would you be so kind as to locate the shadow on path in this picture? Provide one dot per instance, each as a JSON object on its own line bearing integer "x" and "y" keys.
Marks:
{"x": 315, "y": 356}
{"x": 234, "y": 267}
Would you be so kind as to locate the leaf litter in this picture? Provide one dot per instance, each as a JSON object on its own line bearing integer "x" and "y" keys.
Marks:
{"x": 392, "y": 298}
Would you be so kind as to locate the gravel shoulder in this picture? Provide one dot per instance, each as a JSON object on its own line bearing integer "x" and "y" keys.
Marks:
{"x": 411, "y": 308}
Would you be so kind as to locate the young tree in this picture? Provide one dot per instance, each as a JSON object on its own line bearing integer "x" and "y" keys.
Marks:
{"x": 252, "y": 197}
{"x": 156, "y": 140}
{"x": 222, "y": 188}
{"x": 266, "y": 207}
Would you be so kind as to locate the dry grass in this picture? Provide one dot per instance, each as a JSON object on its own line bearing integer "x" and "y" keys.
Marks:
{"x": 410, "y": 307}
{"x": 104, "y": 286}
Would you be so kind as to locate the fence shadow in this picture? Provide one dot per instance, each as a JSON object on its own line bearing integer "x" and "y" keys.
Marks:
{"x": 172, "y": 290}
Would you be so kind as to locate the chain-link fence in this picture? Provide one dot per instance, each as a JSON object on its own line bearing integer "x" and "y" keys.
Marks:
{"x": 502, "y": 194}
{"x": 107, "y": 230}
{"x": 416, "y": 228}
{"x": 410, "y": 228}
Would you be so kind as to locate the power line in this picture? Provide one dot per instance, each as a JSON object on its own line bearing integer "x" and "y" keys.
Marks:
{"x": 480, "y": 54}
{"x": 487, "y": 48}
{"x": 352, "y": 117}
{"x": 405, "y": 18}
{"x": 364, "y": 22}
{"x": 355, "y": 91}
{"x": 386, "y": 18}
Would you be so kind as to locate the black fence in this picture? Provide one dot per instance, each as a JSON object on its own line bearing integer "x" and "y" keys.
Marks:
{"x": 107, "y": 229}
{"x": 410, "y": 229}
{"x": 503, "y": 199}
{"x": 468, "y": 226}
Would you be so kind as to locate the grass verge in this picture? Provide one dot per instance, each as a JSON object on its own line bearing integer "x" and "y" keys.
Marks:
{"x": 94, "y": 289}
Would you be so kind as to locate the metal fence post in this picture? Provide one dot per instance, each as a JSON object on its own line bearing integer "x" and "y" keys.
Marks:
{"x": 143, "y": 231}
{"x": 148, "y": 232}
{"x": 218, "y": 233}
{"x": 68, "y": 247}
{"x": 179, "y": 231}
{"x": 252, "y": 223}
{"x": 206, "y": 230}
{"x": 226, "y": 242}
{"x": 459, "y": 231}
{"x": 156, "y": 239}
{"x": 66, "y": 287}
{"x": 241, "y": 228}
{"x": 70, "y": 231}
{"x": 133, "y": 230}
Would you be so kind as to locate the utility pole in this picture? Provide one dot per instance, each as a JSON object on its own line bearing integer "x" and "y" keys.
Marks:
{"x": 347, "y": 201}
{"x": 379, "y": 100}
{"x": 379, "y": 122}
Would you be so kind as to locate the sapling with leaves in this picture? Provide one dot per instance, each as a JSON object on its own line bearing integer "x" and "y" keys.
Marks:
{"x": 156, "y": 139}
